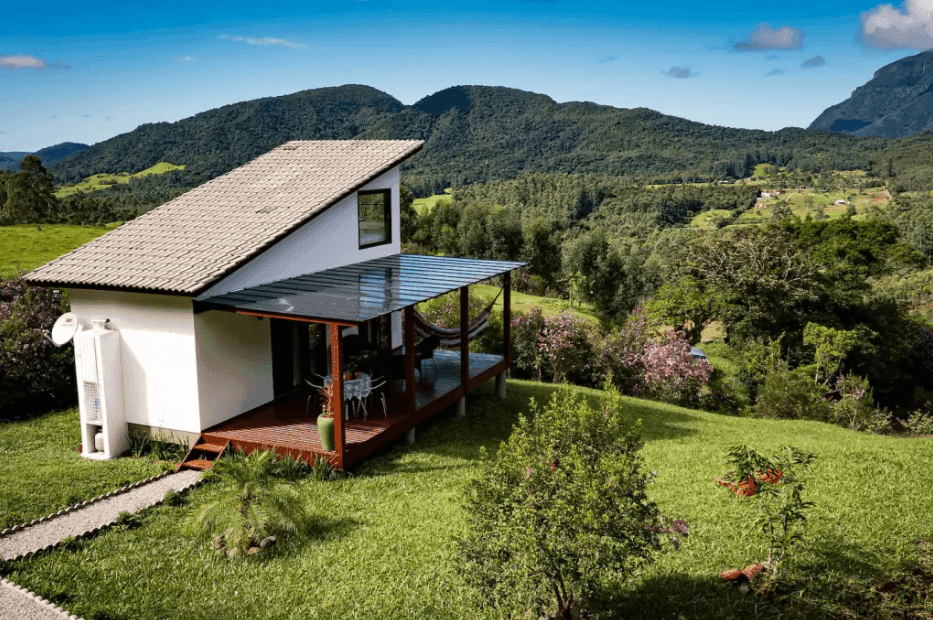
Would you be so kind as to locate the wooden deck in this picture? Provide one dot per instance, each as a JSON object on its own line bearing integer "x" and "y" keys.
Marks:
{"x": 284, "y": 426}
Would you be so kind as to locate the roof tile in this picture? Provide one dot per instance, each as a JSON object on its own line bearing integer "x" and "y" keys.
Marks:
{"x": 193, "y": 240}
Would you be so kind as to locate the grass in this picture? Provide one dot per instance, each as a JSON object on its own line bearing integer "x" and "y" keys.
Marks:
{"x": 41, "y": 470}
{"x": 550, "y": 306}
{"x": 384, "y": 541}
{"x": 27, "y": 246}
{"x": 423, "y": 205}
{"x": 97, "y": 182}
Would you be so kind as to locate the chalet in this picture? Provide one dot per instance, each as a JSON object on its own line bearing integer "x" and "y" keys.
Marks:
{"x": 208, "y": 316}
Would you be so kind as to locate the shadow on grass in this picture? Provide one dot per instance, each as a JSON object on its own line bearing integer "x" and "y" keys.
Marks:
{"x": 490, "y": 420}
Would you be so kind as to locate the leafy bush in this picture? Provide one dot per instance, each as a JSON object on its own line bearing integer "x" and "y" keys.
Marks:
{"x": 561, "y": 518}
{"x": 919, "y": 423}
{"x": 35, "y": 375}
{"x": 855, "y": 408}
{"x": 792, "y": 394}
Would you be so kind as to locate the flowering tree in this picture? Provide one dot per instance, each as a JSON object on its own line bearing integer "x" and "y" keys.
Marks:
{"x": 670, "y": 372}
{"x": 33, "y": 372}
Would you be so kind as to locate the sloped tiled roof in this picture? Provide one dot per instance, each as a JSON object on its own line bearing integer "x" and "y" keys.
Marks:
{"x": 190, "y": 242}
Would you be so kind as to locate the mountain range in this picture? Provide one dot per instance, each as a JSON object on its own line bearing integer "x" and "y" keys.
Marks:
{"x": 472, "y": 134}
{"x": 897, "y": 102}
{"x": 49, "y": 155}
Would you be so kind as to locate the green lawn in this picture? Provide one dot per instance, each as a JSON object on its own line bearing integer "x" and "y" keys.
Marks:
{"x": 385, "y": 537}
{"x": 27, "y": 246}
{"x": 41, "y": 470}
{"x": 550, "y": 306}
{"x": 103, "y": 181}
{"x": 426, "y": 204}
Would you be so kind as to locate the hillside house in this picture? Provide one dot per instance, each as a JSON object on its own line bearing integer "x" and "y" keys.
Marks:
{"x": 225, "y": 300}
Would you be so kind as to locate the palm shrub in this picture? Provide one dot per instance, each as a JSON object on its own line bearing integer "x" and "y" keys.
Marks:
{"x": 561, "y": 518}
{"x": 250, "y": 501}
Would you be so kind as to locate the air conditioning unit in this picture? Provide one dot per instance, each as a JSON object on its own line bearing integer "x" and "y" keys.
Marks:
{"x": 99, "y": 368}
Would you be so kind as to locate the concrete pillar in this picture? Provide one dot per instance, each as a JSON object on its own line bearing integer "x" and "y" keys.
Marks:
{"x": 410, "y": 437}
{"x": 461, "y": 408}
{"x": 500, "y": 384}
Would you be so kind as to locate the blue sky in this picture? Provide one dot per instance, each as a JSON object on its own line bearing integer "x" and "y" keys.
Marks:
{"x": 83, "y": 73}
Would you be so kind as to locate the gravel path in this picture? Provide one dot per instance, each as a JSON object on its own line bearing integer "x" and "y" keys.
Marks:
{"x": 20, "y": 604}
{"x": 96, "y": 515}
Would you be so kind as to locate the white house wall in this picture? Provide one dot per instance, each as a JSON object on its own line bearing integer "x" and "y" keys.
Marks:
{"x": 331, "y": 239}
{"x": 234, "y": 354}
{"x": 160, "y": 385}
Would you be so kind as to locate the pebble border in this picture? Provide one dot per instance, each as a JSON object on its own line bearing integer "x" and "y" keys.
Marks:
{"x": 38, "y": 599}
{"x": 78, "y": 506}
{"x": 93, "y": 531}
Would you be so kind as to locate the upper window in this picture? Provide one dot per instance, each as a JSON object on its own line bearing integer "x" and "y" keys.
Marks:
{"x": 375, "y": 212}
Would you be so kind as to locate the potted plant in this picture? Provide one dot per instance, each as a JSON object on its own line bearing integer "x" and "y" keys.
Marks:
{"x": 325, "y": 421}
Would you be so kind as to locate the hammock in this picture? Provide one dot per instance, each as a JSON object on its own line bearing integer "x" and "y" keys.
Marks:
{"x": 450, "y": 336}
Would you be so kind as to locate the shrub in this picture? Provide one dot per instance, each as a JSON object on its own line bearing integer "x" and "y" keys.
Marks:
{"x": 561, "y": 517}
{"x": 919, "y": 423}
{"x": 34, "y": 374}
{"x": 525, "y": 355}
{"x": 855, "y": 408}
{"x": 792, "y": 394}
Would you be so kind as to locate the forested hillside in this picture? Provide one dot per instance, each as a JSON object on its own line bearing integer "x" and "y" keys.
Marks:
{"x": 474, "y": 134}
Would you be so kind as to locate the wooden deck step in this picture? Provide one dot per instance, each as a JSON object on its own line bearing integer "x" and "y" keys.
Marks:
{"x": 203, "y": 454}
{"x": 201, "y": 464}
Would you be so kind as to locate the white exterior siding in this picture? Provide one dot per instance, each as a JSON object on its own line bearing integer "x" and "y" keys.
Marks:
{"x": 329, "y": 240}
{"x": 160, "y": 386}
{"x": 234, "y": 355}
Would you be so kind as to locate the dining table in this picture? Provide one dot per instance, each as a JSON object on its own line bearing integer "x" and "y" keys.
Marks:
{"x": 356, "y": 387}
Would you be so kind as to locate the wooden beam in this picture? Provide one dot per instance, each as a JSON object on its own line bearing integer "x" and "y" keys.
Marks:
{"x": 336, "y": 399}
{"x": 464, "y": 338}
{"x": 287, "y": 317}
{"x": 507, "y": 317}
{"x": 409, "y": 335}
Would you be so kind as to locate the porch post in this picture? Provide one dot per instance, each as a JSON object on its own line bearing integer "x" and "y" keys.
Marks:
{"x": 409, "y": 335}
{"x": 507, "y": 316}
{"x": 336, "y": 402}
{"x": 506, "y": 332}
{"x": 464, "y": 347}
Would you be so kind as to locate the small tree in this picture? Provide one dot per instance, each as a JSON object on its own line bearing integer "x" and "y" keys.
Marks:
{"x": 778, "y": 490}
{"x": 561, "y": 517}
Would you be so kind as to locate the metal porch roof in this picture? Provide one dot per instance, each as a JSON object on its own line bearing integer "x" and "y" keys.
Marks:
{"x": 361, "y": 291}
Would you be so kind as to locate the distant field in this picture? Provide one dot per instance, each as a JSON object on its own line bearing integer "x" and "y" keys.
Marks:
{"x": 550, "y": 306}
{"x": 426, "y": 204}
{"x": 798, "y": 202}
{"x": 103, "y": 181}
{"x": 27, "y": 246}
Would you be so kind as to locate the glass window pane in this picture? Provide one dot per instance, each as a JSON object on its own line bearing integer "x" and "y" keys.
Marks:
{"x": 374, "y": 216}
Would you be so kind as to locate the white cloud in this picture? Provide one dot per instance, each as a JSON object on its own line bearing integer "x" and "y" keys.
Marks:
{"x": 14, "y": 62}
{"x": 774, "y": 72}
{"x": 186, "y": 59}
{"x": 265, "y": 41}
{"x": 886, "y": 27}
{"x": 681, "y": 73}
{"x": 764, "y": 37}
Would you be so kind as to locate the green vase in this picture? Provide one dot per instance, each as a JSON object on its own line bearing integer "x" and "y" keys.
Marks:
{"x": 325, "y": 430}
